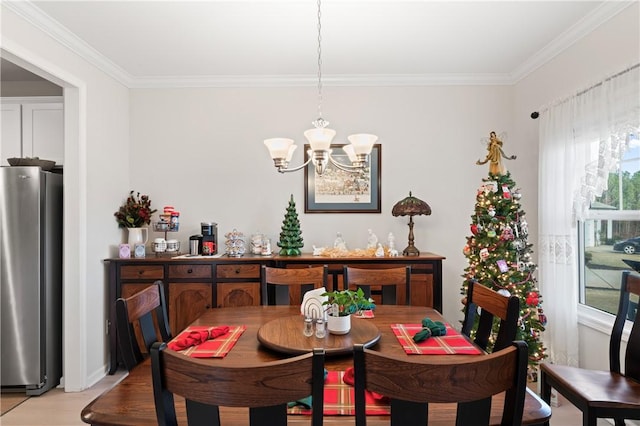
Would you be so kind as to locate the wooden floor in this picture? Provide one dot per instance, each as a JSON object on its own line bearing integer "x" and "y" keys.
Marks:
{"x": 57, "y": 408}
{"x": 9, "y": 401}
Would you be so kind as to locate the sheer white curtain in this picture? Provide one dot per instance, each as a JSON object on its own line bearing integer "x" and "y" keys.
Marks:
{"x": 581, "y": 140}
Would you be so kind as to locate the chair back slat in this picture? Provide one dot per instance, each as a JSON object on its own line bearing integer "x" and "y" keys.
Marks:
{"x": 394, "y": 283}
{"x": 281, "y": 286}
{"x": 492, "y": 305}
{"x": 147, "y": 310}
{"x": 265, "y": 387}
{"x": 468, "y": 380}
{"x": 143, "y": 302}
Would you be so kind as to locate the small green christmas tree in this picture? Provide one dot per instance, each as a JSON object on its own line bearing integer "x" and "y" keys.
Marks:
{"x": 291, "y": 236}
{"x": 499, "y": 255}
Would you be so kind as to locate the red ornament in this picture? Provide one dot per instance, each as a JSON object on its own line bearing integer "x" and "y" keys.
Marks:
{"x": 532, "y": 298}
{"x": 474, "y": 229}
{"x": 505, "y": 191}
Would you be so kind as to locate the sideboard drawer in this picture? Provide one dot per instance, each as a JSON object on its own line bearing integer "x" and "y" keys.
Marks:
{"x": 142, "y": 272}
{"x": 238, "y": 271}
{"x": 190, "y": 271}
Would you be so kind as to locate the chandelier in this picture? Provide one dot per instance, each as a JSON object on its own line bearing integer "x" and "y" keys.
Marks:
{"x": 320, "y": 137}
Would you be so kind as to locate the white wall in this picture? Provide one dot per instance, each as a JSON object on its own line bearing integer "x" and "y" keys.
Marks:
{"x": 96, "y": 177}
{"x": 201, "y": 151}
{"x": 609, "y": 49}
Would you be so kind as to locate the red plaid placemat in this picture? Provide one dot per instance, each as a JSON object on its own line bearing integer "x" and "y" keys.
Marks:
{"x": 214, "y": 348}
{"x": 367, "y": 313}
{"x": 452, "y": 343}
{"x": 339, "y": 399}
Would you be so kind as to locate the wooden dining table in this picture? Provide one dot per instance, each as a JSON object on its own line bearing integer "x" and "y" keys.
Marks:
{"x": 130, "y": 402}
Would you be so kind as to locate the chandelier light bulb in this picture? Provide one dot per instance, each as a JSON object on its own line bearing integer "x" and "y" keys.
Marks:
{"x": 362, "y": 142}
{"x": 280, "y": 147}
{"x": 351, "y": 153}
{"x": 320, "y": 138}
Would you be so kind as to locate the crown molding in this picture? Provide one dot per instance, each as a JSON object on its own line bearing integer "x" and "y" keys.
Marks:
{"x": 44, "y": 22}
{"x": 331, "y": 80}
{"x": 35, "y": 16}
{"x": 593, "y": 20}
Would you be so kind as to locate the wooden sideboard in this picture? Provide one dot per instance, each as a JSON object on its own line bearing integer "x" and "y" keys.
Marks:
{"x": 195, "y": 284}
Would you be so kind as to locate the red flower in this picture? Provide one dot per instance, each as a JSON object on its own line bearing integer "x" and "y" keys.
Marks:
{"x": 135, "y": 212}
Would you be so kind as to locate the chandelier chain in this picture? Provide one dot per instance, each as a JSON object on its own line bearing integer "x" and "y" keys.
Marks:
{"x": 319, "y": 64}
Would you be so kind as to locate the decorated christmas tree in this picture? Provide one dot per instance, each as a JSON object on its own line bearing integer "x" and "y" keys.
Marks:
{"x": 290, "y": 236}
{"x": 499, "y": 254}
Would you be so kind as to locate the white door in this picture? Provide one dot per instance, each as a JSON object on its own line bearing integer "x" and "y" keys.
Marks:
{"x": 42, "y": 131}
{"x": 11, "y": 126}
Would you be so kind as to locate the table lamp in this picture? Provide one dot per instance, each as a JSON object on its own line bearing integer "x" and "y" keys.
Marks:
{"x": 411, "y": 206}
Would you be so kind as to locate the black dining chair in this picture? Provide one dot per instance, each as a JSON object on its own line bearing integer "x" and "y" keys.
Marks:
{"x": 137, "y": 312}
{"x": 493, "y": 307}
{"x": 412, "y": 383}
{"x": 265, "y": 388}
{"x": 604, "y": 394}
{"x": 394, "y": 283}
{"x": 286, "y": 286}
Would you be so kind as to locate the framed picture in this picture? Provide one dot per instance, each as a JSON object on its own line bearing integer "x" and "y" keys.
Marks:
{"x": 339, "y": 191}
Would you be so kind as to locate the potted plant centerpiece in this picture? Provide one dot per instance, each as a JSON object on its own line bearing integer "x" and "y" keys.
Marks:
{"x": 341, "y": 304}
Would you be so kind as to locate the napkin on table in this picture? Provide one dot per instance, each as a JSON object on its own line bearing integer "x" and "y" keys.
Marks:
{"x": 196, "y": 337}
{"x": 430, "y": 328}
{"x": 349, "y": 378}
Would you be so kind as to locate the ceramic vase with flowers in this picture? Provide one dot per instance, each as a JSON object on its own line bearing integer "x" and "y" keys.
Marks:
{"x": 341, "y": 304}
{"x": 132, "y": 215}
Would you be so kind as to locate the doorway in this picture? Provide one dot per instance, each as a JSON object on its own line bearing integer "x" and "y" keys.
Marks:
{"x": 74, "y": 377}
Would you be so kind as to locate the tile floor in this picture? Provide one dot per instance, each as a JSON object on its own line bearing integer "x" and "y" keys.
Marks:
{"x": 57, "y": 408}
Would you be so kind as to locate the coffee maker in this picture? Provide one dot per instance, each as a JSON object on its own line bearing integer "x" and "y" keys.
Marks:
{"x": 209, "y": 231}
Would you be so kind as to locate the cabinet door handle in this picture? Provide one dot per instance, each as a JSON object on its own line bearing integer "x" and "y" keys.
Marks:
{"x": 141, "y": 271}
{"x": 238, "y": 271}
{"x": 208, "y": 306}
{"x": 189, "y": 271}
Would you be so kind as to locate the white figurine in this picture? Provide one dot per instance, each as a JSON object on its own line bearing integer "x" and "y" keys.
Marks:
{"x": 380, "y": 251}
{"x": 339, "y": 242}
{"x": 391, "y": 240}
{"x": 372, "y": 241}
{"x": 317, "y": 251}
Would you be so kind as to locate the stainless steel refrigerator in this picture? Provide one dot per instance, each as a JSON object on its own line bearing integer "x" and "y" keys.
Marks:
{"x": 30, "y": 279}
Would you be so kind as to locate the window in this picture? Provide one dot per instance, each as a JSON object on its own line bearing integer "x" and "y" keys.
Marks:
{"x": 611, "y": 234}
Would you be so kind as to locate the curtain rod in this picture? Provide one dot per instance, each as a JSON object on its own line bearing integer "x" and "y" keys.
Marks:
{"x": 536, "y": 114}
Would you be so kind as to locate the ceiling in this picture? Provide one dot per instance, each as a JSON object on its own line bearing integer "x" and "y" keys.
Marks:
{"x": 264, "y": 42}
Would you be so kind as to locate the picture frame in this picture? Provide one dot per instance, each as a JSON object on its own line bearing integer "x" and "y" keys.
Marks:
{"x": 338, "y": 191}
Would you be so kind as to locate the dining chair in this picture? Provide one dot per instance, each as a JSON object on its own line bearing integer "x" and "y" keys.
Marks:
{"x": 493, "y": 307}
{"x": 138, "y": 309}
{"x": 286, "y": 286}
{"x": 412, "y": 383}
{"x": 604, "y": 394}
{"x": 394, "y": 283}
{"x": 264, "y": 388}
